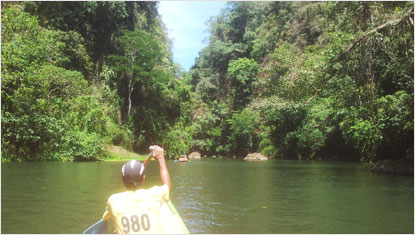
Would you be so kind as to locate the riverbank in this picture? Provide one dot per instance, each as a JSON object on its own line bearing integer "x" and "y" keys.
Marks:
{"x": 118, "y": 153}
{"x": 110, "y": 153}
{"x": 396, "y": 166}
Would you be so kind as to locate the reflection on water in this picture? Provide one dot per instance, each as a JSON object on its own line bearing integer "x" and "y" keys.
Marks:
{"x": 215, "y": 196}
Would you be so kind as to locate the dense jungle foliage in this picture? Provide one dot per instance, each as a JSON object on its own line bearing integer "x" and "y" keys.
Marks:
{"x": 292, "y": 80}
{"x": 307, "y": 80}
{"x": 77, "y": 76}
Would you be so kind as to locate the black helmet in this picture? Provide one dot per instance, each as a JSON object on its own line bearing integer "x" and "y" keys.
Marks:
{"x": 132, "y": 173}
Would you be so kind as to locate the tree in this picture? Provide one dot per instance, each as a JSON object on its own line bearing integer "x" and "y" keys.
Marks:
{"x": 137, "y": 57}
{"x": 242, "y": 127}
{"x": 45, "y": 113}
{"x": 243, "y": 73}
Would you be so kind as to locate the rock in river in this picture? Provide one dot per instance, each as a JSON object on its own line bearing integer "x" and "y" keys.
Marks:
{"x": 255, "y": 156}
{"x": 194, "y": 155}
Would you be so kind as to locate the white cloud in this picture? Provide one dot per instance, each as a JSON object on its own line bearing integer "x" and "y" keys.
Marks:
{"x": 187, "y": 26}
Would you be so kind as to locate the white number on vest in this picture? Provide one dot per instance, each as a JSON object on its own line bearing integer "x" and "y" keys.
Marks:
{"x": 134, "y": 224}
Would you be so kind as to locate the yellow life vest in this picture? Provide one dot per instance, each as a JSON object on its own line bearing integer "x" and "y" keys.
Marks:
{"x": 137, "y": 212}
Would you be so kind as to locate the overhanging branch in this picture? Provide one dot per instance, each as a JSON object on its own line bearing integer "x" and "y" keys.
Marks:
{"x": 409, "y": 15}
{"x": 391, "y": 23}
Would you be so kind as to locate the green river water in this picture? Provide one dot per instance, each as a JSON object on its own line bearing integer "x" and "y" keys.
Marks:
{"x": 215, "y": 196}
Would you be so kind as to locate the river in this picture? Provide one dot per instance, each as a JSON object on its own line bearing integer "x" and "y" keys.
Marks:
{"x": 215, "y": 196}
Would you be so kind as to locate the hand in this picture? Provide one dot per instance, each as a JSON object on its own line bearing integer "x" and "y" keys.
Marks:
{"x": 158, "y": 152}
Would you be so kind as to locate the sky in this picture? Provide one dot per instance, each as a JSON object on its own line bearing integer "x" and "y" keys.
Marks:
{"x": 187, "y": 26}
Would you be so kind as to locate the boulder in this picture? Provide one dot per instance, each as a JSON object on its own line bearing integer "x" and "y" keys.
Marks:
{"x": 255, "y": 157}
{"x": 194, "y": 155}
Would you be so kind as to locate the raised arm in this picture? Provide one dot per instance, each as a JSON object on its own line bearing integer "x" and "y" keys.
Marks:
{"x": 147, "y": 159}
{"x": 158, "y": 154}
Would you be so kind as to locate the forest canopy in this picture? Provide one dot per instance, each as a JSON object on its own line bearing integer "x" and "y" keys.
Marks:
{"x": 307, "y": 80}
{"x": 291, "y": 80}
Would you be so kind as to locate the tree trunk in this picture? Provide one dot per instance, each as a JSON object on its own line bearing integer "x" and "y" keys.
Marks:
{"x": 130, "y": 86}
{"x": 130, "y": 90}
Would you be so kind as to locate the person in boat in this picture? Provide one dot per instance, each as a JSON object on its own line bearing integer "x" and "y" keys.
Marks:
{"x": 137, "y": 210}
